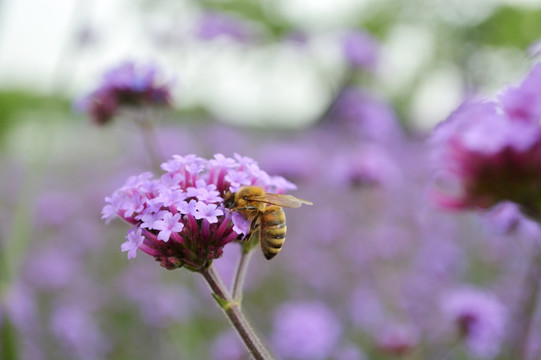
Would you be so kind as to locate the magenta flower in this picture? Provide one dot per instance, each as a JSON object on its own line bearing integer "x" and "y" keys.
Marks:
{"x": 484, "y": 155}
{"x": 128, "y": 85}
{"x": 479, "y": 317}
{"x": 180, "y": 218}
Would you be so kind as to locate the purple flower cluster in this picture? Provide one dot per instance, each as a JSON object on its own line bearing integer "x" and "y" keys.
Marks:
{"x": 488, "y": 151}
{"x": 180, "y": 219}
{"x": 128, "y": 85}
{"x": 479, "y": 317}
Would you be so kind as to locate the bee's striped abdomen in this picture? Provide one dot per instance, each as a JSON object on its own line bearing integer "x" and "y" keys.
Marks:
{"x": 273, "y": 231}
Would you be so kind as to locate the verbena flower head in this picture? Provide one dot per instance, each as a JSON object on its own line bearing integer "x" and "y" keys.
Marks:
{"x": 128, "y": 85}
{"x": 488, "y": 152}
{"x": 180, "y": 218}
{"x": 479, "y": 318}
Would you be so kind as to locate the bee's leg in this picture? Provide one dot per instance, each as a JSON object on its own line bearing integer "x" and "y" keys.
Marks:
{"x": 255, "y": 223}
{"x": 244, "y": 208}
{"x": 252, "y": 238}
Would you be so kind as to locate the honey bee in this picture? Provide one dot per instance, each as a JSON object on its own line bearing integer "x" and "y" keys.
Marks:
{"x": 265, "y": 212}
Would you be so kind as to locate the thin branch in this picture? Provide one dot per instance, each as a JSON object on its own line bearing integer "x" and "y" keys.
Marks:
{"x": 235, "y": 315}
{"x": 240, "y": 275}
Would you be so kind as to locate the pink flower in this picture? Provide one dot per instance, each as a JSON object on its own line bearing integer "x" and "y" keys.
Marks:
{"x": 483, "y": 155}
{"x": 134, "y": 239}
{"x": 168, "y": 224}
{"x": 479, "y": 317}
{"x": 180, "y": 218}
{"x": 130, "y": 84}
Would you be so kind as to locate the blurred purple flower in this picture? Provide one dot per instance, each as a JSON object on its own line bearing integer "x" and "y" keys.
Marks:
{"x": 54, "y": 208}
{"x": 365, "y": 115}
{"x": 214, "y": 25}
{"x": 483, "y": 157}
{"x": 397, "y": 339}
{"x": 479, "y": 317}
{"x": 297, "y": 37}
{"x": 523, "y": 102}
{"x": 349, "y": 352}
{"x": 360, "y": 50}
{"x": 367, "y": 309}
{"x": 292, "y": 161}
{"x": 190, "y": 228}
{"x": 227, "y": 346}
{"x": 159, "y": 304}
{"x": 52, "y": 269}
{"x": 368, "y": 165}
{"x": 21, "y": 307}
{"x": 77, "y": 330}
{"x": 305, "y": 330}
{"x": 506, "y": 218}
{"x": 128, "y": 85}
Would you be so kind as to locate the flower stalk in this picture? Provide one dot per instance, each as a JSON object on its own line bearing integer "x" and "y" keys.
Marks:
{"x": 526, "y": 308}
{"x": 240, "y": 275}
{"x": 233, "y": 312}
{"x": 146, "y": 127}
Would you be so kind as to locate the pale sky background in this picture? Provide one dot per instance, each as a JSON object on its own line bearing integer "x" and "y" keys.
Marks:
{"x": 238, "y": 84}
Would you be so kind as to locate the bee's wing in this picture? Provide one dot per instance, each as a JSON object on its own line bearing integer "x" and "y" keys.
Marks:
{"x": 288, "y": 201}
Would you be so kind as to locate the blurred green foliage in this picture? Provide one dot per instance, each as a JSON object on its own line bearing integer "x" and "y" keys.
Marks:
{"x": 509, "y": 26}
{"x": 15, "y": 103}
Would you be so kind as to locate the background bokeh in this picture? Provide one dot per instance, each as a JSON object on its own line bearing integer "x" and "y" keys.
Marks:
{"x": 372, "y": 271}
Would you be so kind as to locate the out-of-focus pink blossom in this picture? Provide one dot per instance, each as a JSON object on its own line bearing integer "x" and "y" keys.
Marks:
{"x": 360, "y": 50}
{"x": 482, "y": 156}
{"x": 479, "y": 317}
{"x": 397, "y": 339}
{"x": 128, "y": 85}
{"x": 366, "y": 116}
{"x": 305, "y": 330}
{"x": 213, "y": 25}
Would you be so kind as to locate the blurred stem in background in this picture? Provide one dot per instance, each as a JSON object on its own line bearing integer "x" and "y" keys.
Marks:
{"x": 145, "y": 121}
{"x": 14, "y": 247}
{"x": 526, "y": 308}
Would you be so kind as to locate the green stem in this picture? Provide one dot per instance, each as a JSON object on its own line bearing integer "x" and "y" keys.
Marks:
{"x": 8, "y": 340}
{"x": 240, "y": 274}
{"x": 235, "y": 315}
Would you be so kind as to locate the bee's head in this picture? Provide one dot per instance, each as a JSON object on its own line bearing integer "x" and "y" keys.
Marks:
{"x": 229, "y": 199}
